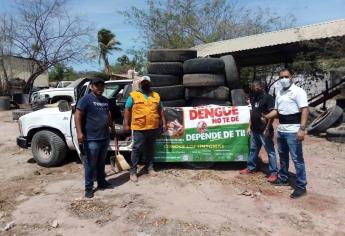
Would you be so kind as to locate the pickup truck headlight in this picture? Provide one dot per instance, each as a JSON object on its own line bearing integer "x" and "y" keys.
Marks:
{"x": 20, "y": 127}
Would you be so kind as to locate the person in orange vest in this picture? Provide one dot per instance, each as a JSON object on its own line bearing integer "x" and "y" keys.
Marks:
{"x": 143, "y": 112}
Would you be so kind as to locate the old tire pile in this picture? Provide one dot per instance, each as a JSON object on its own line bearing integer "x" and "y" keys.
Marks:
{"x": 330, "y": 118}
{"x": 204, "y": 79}
{"x": 336, "y": 134}
{"x": 165, "y": 68}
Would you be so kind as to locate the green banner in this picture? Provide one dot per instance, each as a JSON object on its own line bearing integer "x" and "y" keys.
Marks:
{"x": 202, "y": 136}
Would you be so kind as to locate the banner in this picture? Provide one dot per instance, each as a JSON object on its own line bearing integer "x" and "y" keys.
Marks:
{"x": 205, "y": 133}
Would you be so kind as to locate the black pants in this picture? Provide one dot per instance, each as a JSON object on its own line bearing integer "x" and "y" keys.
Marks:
{"x": 143, "y": 143}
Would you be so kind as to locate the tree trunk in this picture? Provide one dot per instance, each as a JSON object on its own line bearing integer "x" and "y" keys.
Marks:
{"x": 29, "y": 84}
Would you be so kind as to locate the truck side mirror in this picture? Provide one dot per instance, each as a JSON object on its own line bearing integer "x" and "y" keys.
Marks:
{"x": 64, "y": 106}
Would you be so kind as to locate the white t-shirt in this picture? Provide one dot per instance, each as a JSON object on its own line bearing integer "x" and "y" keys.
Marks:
{"x": 289, "y": 102}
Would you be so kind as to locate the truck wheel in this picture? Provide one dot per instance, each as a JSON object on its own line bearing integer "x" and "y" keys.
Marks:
{"x": 177, "y": 55}
{"x": 203, "y": 80}
{"x": 219, "y": 93}
{"x": 164, "y": 80}
{"x": 16, "y": 114}
{"x": 336, "y": 134}
{"x": 231, "y": 72}
{"x": 168, "y": 93}
{"x": 204, "y": 66}
{"x": 326, "y": 120}
{"x": 48, "y": 148}
{"x": 165, "y": 68}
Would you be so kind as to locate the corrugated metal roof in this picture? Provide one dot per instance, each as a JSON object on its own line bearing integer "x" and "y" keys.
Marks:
{"x": 309, "y": 32}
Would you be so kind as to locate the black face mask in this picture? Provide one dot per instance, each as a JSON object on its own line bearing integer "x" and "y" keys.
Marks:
{"x": 257, "y": 93}
{"x": 145, "y": 87}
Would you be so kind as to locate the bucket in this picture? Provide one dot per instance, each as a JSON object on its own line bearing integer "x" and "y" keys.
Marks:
{"x": 5, "y": 103}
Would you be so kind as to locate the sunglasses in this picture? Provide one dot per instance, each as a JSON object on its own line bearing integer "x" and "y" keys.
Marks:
{"x": 284, "y": 77}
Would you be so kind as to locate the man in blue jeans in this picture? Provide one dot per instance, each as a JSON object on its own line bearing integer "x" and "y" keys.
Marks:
{"x": 291, "y": 107}
{"x": 92, "y": 120}
{"x": 261, "y": 132}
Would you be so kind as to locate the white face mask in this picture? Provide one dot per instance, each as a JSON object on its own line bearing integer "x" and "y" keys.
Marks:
{"x": 285, "y": 83}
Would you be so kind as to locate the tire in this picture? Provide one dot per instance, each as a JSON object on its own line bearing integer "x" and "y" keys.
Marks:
{"x": 204, "y": 66}
{"x": 174, "y": 103}
{"x": 218, "y": 93}
{"x": 169, "y": 93}
{"x": 326, "y": 120}
{"x": 238, "y": 97}
{"x": 16, "y": 114}
{"x": 206, "y": 101}
{"x": 5, "y": 103}
{"x": 170, "y": 55}
{"x": 48, "y": 148}
{"x": 165, "y": 68}
{"x": 231, "y": 73}
{"x": 336, "y": 134}
{"x": 164, "y": 80}
{"x": 203, "y": 80}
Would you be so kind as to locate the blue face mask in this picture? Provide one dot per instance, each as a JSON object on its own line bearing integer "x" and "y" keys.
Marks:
{"x": 285, "y": 83}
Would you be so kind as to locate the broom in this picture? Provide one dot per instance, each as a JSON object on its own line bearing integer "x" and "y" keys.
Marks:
{"x": 118, "y": 162}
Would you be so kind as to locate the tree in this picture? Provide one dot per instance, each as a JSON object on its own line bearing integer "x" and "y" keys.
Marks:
{"x": 6, "y": 47}
{"x": 107, "y": 43}
{"x": 45, "y": 33}
{"x": 61, "y": 72}
{"x": 186, "y": 23}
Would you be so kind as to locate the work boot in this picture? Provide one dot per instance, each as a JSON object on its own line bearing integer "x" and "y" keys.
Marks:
{"x": 152, "y": 173}
{"x": 89, "y": 193}
{"x": 272, "y": 178}
{"x": 298, "y": 192}
{"x": 133, "y": 177}
{"x": 246, "y": 171}
{"x": 103, "y": 185}
{"x": 279, "y": 182}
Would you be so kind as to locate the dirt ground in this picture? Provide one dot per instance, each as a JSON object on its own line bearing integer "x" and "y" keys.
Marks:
{"x": 180, "y": 201}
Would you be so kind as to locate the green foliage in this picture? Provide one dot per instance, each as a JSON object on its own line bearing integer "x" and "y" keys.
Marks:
{"x": 61, "y": 72}
{"x": 186, "y": 23}
{"x": 107, "y": 43}
{"x": 124, "y": 63}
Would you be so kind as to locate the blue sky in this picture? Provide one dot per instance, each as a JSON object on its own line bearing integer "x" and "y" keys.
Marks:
{"x": 104, "y": 14}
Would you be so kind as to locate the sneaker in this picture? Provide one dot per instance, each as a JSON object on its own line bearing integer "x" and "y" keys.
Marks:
{"x": 272, "y": 178}
{"x": 152, "y": 173}
{"x": 298, "y": 192}
{"x": 279, "y": 182}
{"x": 133, "y": 177}
{"x": 104, "y": 185}
{"x": 246, "y": 171}
{"x": 89, "y": 193}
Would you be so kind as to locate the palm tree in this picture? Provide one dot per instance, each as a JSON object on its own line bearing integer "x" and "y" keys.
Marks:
{"x": 107, "y": 43}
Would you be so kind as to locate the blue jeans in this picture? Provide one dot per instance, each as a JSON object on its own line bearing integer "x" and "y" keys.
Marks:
{"x": 256, "y": 141}
{"x": 143, "y": 143}
{"x": 288, "y": 143}
{"x": 96, "y": 153}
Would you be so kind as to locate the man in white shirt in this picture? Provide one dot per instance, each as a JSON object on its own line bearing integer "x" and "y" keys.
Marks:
{"x": 291, "y": 108}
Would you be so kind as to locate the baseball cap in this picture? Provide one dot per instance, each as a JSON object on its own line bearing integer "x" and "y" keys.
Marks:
{"x": 97, "y": 81}
{"x": 147, "y": 78}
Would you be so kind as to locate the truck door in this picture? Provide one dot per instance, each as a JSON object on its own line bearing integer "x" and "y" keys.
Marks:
{"x": 79, "y": 91}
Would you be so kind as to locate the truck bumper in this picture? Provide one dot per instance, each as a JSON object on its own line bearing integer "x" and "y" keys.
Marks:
{"x": 22, "y": 142}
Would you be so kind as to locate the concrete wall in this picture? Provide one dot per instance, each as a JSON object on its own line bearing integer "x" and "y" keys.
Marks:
{"x": 18, "y": 67}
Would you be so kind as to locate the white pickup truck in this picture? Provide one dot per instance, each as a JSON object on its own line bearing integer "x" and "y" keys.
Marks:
{"x": 50, "y": 132}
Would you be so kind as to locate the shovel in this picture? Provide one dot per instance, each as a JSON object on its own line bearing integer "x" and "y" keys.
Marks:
{"x": 118, "y": 162}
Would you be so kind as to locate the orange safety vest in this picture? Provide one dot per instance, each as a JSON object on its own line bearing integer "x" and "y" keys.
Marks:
{"x": 145, "y": 114}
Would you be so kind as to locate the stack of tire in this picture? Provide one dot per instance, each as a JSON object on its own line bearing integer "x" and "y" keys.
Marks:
{"x": 165, "y": 68}
{"x": 204, "y": 79}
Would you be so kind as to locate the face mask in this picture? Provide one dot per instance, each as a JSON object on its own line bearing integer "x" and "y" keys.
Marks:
{"x": 145, "y": 87}
{"x": 285, "y": 83}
